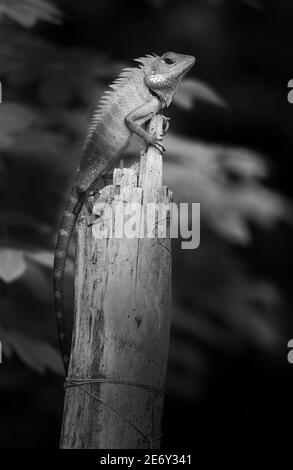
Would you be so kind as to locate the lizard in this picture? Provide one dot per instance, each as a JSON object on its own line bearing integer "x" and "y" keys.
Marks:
{"x": 135, "y": 97}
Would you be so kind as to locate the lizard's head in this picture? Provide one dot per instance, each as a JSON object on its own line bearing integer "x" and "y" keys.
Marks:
{"x": 163, "y": 74}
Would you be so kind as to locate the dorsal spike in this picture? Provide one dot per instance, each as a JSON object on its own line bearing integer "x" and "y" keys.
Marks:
{"x": 141, "y": 60}
{"x": 109, "y": 95}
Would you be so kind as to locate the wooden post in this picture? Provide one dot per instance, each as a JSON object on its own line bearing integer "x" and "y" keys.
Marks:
{"x": 122, "y": 318}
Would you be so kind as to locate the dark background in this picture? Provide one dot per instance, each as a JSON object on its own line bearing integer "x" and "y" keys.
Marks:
{"x": 229, "y": 147}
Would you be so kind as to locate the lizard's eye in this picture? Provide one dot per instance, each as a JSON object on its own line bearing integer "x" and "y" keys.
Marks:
{"x": 169, "y": 61}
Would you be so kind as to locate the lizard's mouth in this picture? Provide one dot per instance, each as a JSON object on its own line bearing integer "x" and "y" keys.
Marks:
{"x": 190, "y": 60}
{"x": 181, "y": 69}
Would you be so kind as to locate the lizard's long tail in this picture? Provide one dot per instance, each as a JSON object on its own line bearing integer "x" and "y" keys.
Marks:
{"x": 72, "y": 209}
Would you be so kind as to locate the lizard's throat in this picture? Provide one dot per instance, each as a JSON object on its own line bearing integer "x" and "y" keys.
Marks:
{"x": 164, "y": 96}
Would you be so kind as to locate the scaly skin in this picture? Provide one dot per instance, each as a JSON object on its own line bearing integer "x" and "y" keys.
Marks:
{"x": 137, "y": 95}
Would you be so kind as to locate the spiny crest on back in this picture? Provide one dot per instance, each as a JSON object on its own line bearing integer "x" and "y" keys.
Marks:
{"x": 123, "y": 78}
{"x": 126, "y": 75}
{"x": 147, "y": 60}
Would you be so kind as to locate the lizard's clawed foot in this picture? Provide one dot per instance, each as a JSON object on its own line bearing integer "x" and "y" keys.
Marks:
{"x": 166, "y": 124}
{"x": 93, "y": 192}
{"x": 89, "y": 205}
{"x": 155, "y": 142}
{"x": 90, "y": 200}
{"x": 159, "y": 147}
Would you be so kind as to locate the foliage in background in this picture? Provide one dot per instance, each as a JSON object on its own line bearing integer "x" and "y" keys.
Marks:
{"x": 220, "y": 304}
{"x": 28, "y": 12}
{"x": 44, "y": 118}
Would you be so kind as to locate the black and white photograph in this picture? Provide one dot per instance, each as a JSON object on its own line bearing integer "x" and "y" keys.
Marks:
{"x": 146, "y": 222}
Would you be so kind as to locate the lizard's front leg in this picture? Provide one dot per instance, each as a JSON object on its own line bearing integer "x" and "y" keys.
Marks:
{"x": 139, "y": 116}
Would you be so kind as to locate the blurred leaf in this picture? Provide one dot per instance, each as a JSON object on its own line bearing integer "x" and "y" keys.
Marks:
{"x": 244, "y": 163}
{"x": 37, "y": 355}
{"x": 227, "y": 182}
{"x": 192, "y": 90}
{"x": 232, "y": 227}
{"x": 28, "y": 12}
{"x": 12, "y": 265}
{"x": 36, "y": 280}
{"x": 44, "y": 258}
{"x": 262, "y": 205}
{"x": 14, "y": 118}
{"x": 52, "y": 359}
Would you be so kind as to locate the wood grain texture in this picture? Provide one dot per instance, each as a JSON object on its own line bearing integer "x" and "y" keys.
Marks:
{"x": 122, "y": 319}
